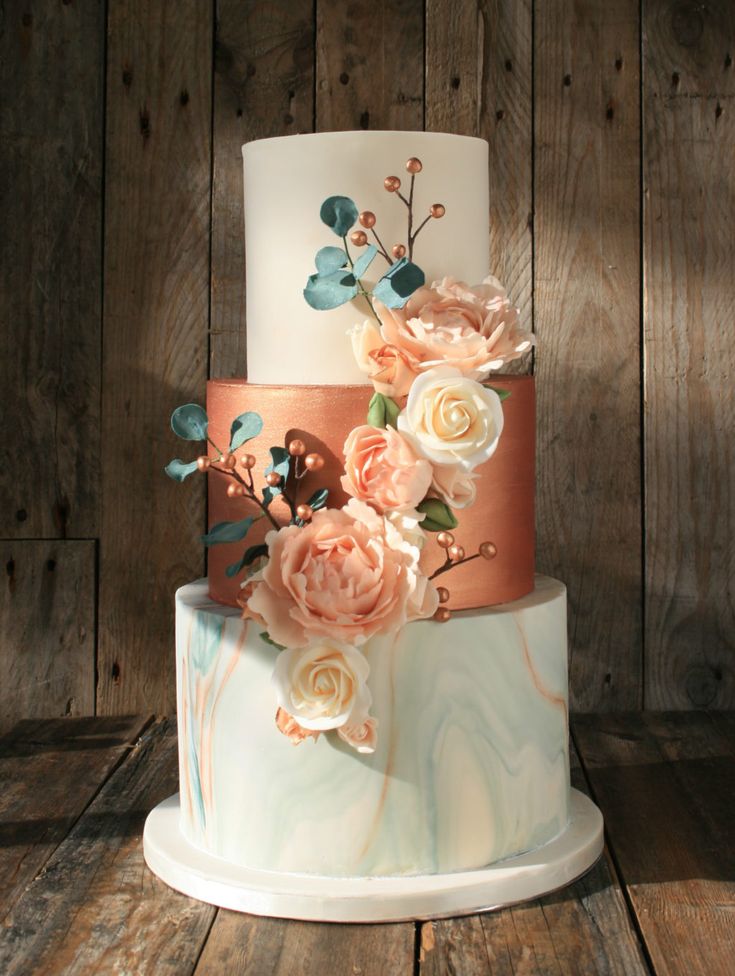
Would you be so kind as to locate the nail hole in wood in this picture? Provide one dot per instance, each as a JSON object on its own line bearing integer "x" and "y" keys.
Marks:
{"x": 27, "y": 20}
{"x": 718, "y": 110}
{"x": 145, "y": 123}
{"x": 500, "y": 115}
{"x": 618, "y": 64}
{"x": 291, "y": 94}
{"x": 508, "y": 65}
{"x": 51, "y": 565}
{"x": 365, "y": 120}
{"x": 675, "y": 78}
{"x": 455, "y": 82}
{"x": 344, "y": 78}
{"x": 21, "y": 515}
{"x": 288, "y": 119}
{"x": 608, "y": 678}
{"x": 115, "y": 673}
{"x": 10, "y": 567}
{"x": 609, "y": 113}
{"x": 238, "y": 113}
{"x": 728, "y": 61}
{"x": 184, "y": 97}
{"x": 567, "y": 80}
{"x": 127, "y": 77}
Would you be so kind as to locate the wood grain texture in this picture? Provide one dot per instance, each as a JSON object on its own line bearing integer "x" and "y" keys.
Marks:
{"x": 369, "y": 65}
{"x": 583, "y": 929}
{"x": 155, "y": 335}
{"x": 51, "y": 76}
{"x": 263, "y": 87}
{"x": 587, "y": 308}
{"x": 39, "y": 761}
{"x": 479, "y": 83}
{"x": 240, "y": 944}
{"x": 689, "y": 307}
{"x": 666, "y": 787}
{"x": 47, "y": 622}
{"x": 96, "y": 907}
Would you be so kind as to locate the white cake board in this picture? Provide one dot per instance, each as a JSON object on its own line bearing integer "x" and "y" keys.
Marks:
{"x": 388, "y": 899}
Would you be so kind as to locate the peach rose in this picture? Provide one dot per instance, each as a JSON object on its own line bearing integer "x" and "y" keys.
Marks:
{"x": 391, "y": 370}
{"x": 454, "y": 485}
{"x": 451, "y": 419}
{"x": 346, "y": 575}
{"x": 382, "y": 469}
{"x": 475, "y": 329}
{"x": 363, "y": 737}
{"x": 324, "y": 685}
{"x": 288, "y": 725}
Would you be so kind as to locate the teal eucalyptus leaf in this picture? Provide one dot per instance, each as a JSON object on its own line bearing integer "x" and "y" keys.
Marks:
{"x": 280, "y": 462}
{"x": 330, "y": 259}
{"x": 324, "y": 292}
{"x": 228, "y": 532}
{"x": 269, "y": 494}
{"x": 245, "y": 427}
{"x": 318, "y": 499}
{"x": 339, "y": 214}
{"x": 364, "y": 261}
{"x": 179, "y": 470}
{"x": 190, "y": 422}
{"x": 249, "y": 557}
{"x": 398, "y": 283}
{"x": 438, "y": 515}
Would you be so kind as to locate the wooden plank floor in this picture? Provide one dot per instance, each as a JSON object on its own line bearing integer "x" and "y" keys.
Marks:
{"x": 76, "y": 897}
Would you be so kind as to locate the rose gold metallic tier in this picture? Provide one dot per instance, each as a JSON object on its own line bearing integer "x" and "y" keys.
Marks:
{"x": 323, "y": 416}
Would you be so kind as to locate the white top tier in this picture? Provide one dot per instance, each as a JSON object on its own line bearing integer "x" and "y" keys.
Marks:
{"x": 286, "y": 181}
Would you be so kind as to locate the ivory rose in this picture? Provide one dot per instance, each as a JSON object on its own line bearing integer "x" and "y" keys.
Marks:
{"x": 475, "y": 329}
{"x": 452, "y": 419}
{"x": 346, "y": 575}
{"x": 454, "y": 485}
{"x": 391, "y": 369}
{"x": 324, "y": 685}
{"x": 363, "y": 737}
{"x": 383, "y": 469}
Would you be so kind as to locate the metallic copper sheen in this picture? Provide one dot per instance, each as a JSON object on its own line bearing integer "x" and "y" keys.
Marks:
{"x": 323, "y": 416}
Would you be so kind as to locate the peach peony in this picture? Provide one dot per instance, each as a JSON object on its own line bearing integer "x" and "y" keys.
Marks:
{"x": 382, "y": 469}
{"x": 475, "y": 329}
{"x": 288, "y": 725}
{"x": 346, "y": 575}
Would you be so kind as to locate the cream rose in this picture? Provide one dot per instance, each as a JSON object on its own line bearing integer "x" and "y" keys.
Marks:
{"x": 383, "y": 469}
{"x": 391, "y": 369}
{"x": 451, "y": 419}
{"x": 454, "y": 485}
{"x": 363, "y": 737}
{"x": 475, "y": 329}
{"x": 323, "y": 686}
{"x": 346, "y": 575}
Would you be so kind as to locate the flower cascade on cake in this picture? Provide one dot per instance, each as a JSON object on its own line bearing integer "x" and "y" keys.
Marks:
{"x": 330, "y": 579}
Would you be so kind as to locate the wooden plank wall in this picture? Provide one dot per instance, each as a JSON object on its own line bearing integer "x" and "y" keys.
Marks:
{"x": 611, "y": 128}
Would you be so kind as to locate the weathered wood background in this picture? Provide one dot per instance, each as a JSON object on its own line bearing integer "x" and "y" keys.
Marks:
{"x": 611, "y": 126}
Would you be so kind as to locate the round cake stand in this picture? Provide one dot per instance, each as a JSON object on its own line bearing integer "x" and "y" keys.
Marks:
{"x": 382, "y": 899}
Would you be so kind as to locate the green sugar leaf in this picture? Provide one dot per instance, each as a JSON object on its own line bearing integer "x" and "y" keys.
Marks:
{"x": 398, "y": 283}
{"x": 364, "y": 261}
{"x": 330, "y": 259}
{"x": 179, "y": 470}
{"x": 318, "y": 499}
{"x": 503, "y": 394}
{"x": 264, "y": 635}
{"x": 324, "y": 292}
{"x": 190, "y": 422}
{"x": 249, "y": 557}
{"x": 439, "y": 516}
{"x": 339, "y": 214}
{"x": 382, "y": 411}
{"x": 244, "y": 427}
{"x": 228, "y": 532}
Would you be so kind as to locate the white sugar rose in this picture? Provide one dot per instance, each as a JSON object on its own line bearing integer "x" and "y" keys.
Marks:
{"x": 323, "y": 686}
{"x": 451, "y": 419}
{"x": 454, "y": 485}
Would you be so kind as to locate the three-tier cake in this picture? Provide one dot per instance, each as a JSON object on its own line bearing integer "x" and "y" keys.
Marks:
{"x": 372, "y": 683}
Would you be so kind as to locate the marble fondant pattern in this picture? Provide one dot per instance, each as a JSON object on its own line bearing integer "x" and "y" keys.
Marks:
{"x": 471, "y": 765}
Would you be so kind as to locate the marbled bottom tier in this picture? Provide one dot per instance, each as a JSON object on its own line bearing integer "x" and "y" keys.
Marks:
{"x": 472, "y": 763}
